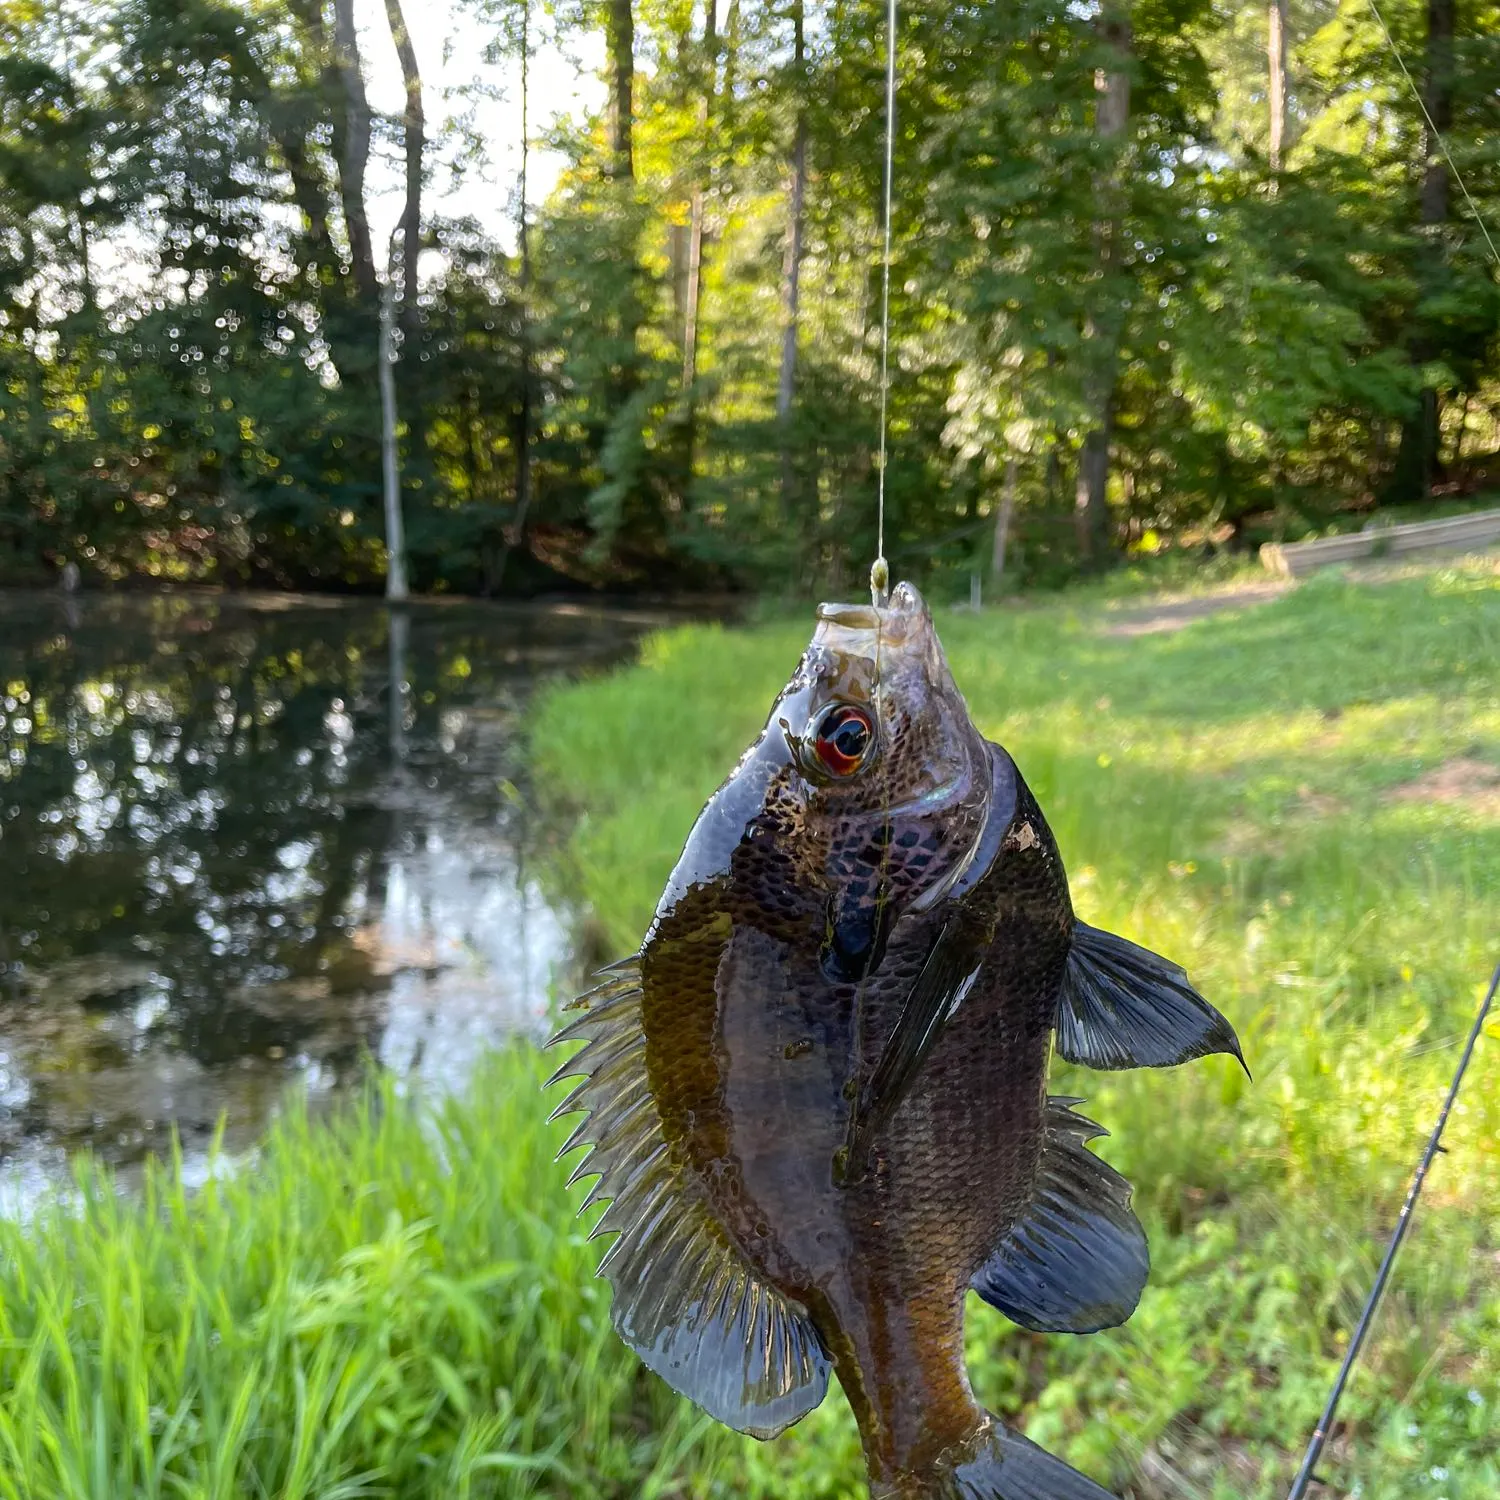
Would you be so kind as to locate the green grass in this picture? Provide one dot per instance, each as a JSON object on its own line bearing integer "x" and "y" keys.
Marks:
{"x": 394, "y": 1302}
{"x": 399, "y": 1301}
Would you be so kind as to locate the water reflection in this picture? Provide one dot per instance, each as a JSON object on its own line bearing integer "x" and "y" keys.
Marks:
{"x": 246, "y": 840}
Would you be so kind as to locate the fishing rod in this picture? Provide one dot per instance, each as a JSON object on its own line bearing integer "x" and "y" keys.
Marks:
{"x": 1307, "y": 1474}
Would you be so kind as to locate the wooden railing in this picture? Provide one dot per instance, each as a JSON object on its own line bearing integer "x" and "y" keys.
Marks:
{"x": 1456, "y": 534}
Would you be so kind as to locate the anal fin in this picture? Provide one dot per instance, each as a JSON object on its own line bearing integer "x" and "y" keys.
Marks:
{"x": 685, "y": 1297}
{"x": 1123, "y": 1006}
{"x": 1077, "y": 1260}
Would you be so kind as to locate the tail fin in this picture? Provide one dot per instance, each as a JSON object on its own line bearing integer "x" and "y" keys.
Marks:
{"x": 999, "y": 1464}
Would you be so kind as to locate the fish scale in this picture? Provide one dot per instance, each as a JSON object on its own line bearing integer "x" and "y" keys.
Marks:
{"x": 817, "y": 1100}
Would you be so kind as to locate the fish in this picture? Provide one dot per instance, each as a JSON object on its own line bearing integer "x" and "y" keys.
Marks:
{"x": 815, "y": 1100}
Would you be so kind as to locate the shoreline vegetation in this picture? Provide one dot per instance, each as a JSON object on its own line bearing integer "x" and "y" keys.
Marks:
{"x": 1183, "y": 277}
{"x": 1299, "y": 800}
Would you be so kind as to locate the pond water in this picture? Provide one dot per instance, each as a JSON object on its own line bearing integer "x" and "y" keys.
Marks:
{"x": 250, "y": 841}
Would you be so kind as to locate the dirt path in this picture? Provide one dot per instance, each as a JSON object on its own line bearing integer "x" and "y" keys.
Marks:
{"x": 1165, "y": 615}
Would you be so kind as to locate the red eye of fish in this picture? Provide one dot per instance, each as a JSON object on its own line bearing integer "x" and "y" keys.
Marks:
{"x": 843, "y": 739}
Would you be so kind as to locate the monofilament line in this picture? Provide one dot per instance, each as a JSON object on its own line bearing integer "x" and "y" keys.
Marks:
{"x": 880, "y": 573}
{"x": 1306, "y": 1475}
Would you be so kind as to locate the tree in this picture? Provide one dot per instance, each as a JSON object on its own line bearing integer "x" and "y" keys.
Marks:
{"x": 620, "y": 43}
{"x": 414, "y": 133}
{"x": 354, "y": 157}
{"x": 1148, "y": 276}
{"x": 1276, "y": 19}
{"x": 1419, "y": 463}
{"x": 786, "y": 383}
{"x": 390, "y": 458}
{"x": 1102, "y": 329}
{"x": 709, "y": 75}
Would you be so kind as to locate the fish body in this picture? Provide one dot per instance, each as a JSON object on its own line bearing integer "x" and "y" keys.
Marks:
{"x": 817, "y": 1096}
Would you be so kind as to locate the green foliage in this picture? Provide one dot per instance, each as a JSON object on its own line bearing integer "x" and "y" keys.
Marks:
{"x": 187, "y": 351}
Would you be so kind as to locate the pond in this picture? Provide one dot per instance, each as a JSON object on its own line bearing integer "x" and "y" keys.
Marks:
{"x": 248, "y": 842}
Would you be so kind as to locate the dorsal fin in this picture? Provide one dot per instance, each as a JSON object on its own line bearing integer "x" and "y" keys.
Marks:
{"x": 1076, "y": 1261}
{"x": 685, "y": 1298}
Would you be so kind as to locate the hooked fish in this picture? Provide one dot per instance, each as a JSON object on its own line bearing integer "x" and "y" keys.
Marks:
{"x": 816, "y": 1098}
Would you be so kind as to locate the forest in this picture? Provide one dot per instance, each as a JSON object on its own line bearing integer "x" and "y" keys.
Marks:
{"x": 1166, "y": 274}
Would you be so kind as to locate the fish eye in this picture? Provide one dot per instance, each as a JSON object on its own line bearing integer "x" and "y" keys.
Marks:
{"x": 842, "y": 739}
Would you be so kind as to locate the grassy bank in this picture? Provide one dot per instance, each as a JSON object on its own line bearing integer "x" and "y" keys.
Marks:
{"x": 1290, "y": 800}
{"x": 394, "y": 1302}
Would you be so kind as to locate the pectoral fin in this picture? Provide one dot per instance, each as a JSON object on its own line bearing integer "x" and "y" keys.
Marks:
{"x": 858, "y": 927}
{"x": 1123, "y": 1006}
{"x": 685, "y": 1298}
{"x": 946, "y": 979}
{"x": 1077, "y": 1260}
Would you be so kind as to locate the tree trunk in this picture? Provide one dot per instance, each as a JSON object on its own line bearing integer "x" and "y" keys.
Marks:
{"x": 1102, "y": 329}
{"x": 395, "y": 538}
{"x": 517, "y": 533}
{"x": 414, "y": 130}
{"x": 356, "y": 153}
{"x": 1002, "y": 523}
{"x": 620, "y": 40}
{"x": 1276, "y": 68}
{"x": 523, "y": 237}
{"x": 1418, "y": 464}
{"x": 677, "y": 259}
{"x": 290, "y": 130}
{"x": 1439, "y": 101}
{"x": 786, "y": 383}
{"x": 307, "y": 190}
{"x": 695, "y": 228}
{"x": 349, "y": 343}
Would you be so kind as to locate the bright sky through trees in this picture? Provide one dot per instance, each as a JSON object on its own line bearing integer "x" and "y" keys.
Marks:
{"x": 450, "y": 44}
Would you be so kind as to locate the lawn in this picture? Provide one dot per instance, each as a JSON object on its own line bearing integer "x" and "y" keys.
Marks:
{"x": 1292, "y": 799}
{"x": 1296, "y": 801}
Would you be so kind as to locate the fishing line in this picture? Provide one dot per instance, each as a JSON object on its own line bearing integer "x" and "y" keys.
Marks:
{"x": 846, "y": 1167}
{"x": 1305, "y": 1474}
{"x": 880, "y": 572}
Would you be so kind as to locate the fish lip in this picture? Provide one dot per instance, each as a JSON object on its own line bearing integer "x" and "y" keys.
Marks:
{"x": 904, "y": 618}
{"x": 850, "y": 616}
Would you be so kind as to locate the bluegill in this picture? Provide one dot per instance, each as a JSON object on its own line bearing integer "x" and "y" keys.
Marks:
{"x": 816, "y": 1098}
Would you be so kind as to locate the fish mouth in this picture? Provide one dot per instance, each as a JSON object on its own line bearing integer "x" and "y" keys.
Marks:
{"x": 858, "y": 629}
